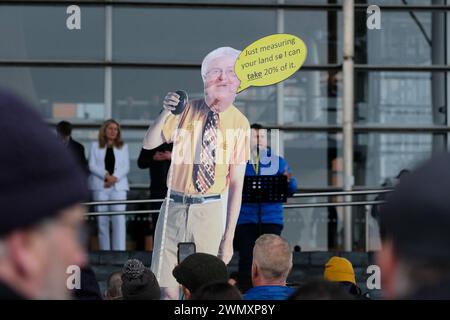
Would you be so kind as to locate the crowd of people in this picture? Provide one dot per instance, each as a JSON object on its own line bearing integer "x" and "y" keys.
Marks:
{"x": 44, "y": 182}
{"x": 203, "y": 276}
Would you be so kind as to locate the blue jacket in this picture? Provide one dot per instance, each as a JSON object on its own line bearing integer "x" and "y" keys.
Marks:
{"x": 269, "y": 293}
{"x": 270, "y": 212}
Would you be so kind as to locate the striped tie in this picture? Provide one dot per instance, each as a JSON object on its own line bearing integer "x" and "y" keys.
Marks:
{"x": 203, "y": 174}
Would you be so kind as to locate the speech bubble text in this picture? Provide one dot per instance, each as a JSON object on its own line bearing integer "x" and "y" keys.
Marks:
{"x": 270, "y": 60}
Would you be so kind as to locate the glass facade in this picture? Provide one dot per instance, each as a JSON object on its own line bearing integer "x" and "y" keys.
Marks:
{"x": 75, "y": 94}
{"x": 396, "y": 98}
{"x": 34, "y": 32}
{"x": 126, "y": 58}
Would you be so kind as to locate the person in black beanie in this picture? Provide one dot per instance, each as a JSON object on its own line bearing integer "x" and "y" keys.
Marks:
{"x": 139, "y": 282}
{"x": 41, "y": 188}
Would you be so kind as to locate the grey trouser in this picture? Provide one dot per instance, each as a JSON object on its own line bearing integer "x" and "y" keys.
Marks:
{"x": 198, "y": 223}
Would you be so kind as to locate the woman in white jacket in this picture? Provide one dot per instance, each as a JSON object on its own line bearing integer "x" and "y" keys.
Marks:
{"x": 109, "y": 164}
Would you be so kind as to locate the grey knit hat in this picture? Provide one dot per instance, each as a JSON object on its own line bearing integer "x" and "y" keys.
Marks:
{"x": 139, "y": 282}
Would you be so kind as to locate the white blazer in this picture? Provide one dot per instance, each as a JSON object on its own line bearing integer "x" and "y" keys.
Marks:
{"x": 97, "y": 167}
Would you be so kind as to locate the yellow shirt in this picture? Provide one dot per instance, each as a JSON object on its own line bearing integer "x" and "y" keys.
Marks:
{"x": 233, "y": 145}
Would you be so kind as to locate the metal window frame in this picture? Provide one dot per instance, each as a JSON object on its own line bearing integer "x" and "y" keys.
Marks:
{"x": 279, "y": 143}
{"x": 221, "y": 5}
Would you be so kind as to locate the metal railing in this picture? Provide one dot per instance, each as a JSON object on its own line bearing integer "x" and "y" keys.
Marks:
{"x": 345, "y": 203}
{"x": 285, "y": 206}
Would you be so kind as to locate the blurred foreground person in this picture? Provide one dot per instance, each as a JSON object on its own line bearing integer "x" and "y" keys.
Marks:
{"x": 40, "y": 218}
{"x": 415, "y": 223}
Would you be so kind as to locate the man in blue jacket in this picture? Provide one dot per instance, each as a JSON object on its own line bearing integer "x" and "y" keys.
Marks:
{"x": 263, "y": 162}
{"x": 272, "y": 263}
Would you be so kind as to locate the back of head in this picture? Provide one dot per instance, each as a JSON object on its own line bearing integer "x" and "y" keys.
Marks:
{"x": 256, "y": 126}
{"x": 339, "y": 269}
{"x": 403, "y": 173}
{"x": 217, "y": 291}
{"x": 414, "y": 225}
{"x": 416, "y": 217}
{"x": 64, "y": 128}
{"x": 41, "y": 177}
{"x": 320, "y": 290}
{"x": 139, "y": 282}
{"x": 199, "y": 269}
{"x": 273, "y": 257}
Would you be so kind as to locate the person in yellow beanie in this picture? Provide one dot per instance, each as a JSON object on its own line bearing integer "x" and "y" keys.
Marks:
{"x": 340, "y": 270}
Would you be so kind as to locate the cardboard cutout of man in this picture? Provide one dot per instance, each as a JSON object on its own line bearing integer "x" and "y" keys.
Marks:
{"x": 210, "y": 153}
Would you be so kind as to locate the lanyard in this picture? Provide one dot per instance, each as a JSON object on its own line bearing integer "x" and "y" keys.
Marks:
{"x": 256, "y": 166}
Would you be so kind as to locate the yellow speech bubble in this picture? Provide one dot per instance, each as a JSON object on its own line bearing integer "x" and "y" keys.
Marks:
{"x": 270, "y": 60}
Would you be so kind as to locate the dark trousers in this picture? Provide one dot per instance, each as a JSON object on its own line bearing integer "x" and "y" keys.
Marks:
{"x": 143, "y": 228}
{"x": 156, "y": 194}
{"x": 244, "y": 241}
